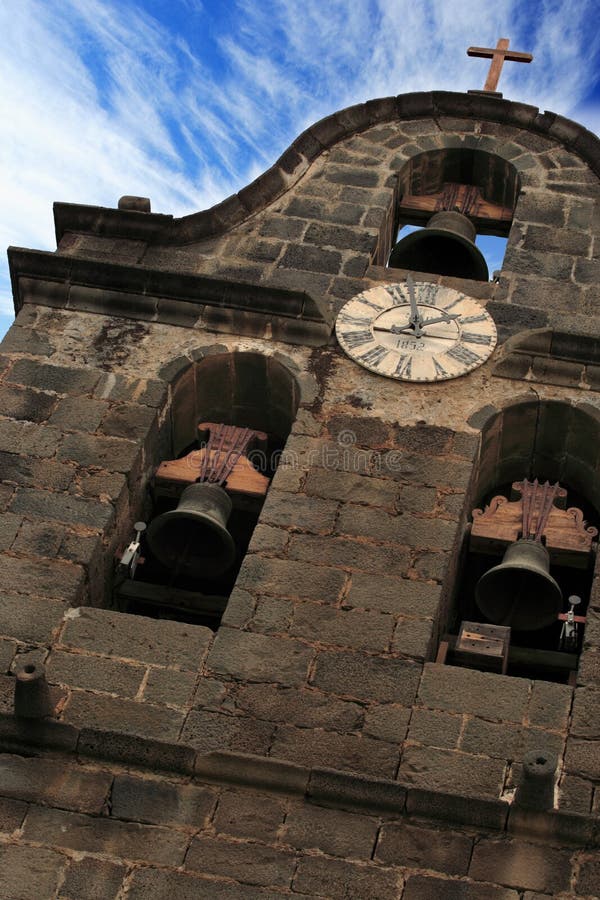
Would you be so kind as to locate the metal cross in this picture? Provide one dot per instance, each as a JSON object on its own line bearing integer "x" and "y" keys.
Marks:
{"x": 498, "y": 55}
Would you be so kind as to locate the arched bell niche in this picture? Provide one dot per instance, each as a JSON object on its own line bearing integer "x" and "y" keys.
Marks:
{"x": 531, "y": 440}
{"x": 453, "y": 195}
{"x": 229, "y": 418}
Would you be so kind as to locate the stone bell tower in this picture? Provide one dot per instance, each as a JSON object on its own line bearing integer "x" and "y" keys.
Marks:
{"x": 333, "y": 710}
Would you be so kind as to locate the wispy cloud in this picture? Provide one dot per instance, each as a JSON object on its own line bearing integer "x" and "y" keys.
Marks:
{"x": 101, "y": 98}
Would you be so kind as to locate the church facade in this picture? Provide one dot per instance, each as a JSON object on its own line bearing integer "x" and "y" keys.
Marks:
{"x": 317, "y": 719}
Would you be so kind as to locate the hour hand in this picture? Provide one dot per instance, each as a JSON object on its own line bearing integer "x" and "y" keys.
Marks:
{"x": 415, "y": 318}
{"x": 445, "y": 317}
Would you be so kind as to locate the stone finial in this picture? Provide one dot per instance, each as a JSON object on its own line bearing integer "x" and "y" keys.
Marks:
{"x": 536, "y": 788}
{"x": 135, "y": 204}
{"x": 32, "y": 694}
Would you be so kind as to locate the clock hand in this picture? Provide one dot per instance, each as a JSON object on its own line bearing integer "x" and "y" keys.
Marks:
{"x": 447, "y": 317}
{"x": 415, "y": 318}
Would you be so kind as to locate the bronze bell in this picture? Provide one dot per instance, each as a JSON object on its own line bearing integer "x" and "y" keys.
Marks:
{"x": 520, "y": 591}
{"x": 446, "y": 246}
{"x": 194, "y": 538}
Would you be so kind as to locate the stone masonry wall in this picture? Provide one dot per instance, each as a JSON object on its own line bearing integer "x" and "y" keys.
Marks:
{"x": 323, "y": 659}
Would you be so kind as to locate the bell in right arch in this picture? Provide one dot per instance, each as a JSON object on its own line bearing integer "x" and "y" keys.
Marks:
{"x": 446, "y": 246}
{"x": 520, "y": 592}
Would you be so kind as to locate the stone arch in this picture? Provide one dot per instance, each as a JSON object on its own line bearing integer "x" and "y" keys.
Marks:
{"x": 549, "y": 439}
{"x": 239, "y": 387}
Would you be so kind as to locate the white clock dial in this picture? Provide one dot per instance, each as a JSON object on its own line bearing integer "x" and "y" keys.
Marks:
{"x": 416, "y": 331}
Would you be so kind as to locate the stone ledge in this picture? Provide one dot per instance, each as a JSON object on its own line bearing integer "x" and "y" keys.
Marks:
{"x": 321, "y": 786}
{"x": 48, "y": 279}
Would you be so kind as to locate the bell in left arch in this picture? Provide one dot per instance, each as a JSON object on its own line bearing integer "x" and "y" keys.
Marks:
{"x": 446, "y": 246}
{"x": 193, "y": 539}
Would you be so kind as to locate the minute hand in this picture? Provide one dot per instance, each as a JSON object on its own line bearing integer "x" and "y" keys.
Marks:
{"x": 417, "y": 329}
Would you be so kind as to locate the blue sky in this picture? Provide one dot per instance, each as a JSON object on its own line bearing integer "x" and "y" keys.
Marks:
{"x": 186, "y": 101}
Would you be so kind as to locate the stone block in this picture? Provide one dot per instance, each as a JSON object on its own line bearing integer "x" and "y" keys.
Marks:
{"x": 583, "y": 758}
{"x": 131, "y": 421}
{"x": 436, "y": 729}
{"x": 206, "y": 730}
{"x": 169, "y": 686}
{"x": 521, "y": 865}
{"x": 349, "y": 752}
{"x": 588, "y": 879}
{"x": 137, "y": 638}
{"x": 508, "y": 742}
{"x": 287, "y": 578}
{"x": 257, "y": 657}
{"x": 157, "y": 884}
{"x": 90, "y": 834}
{"x": 40, "y": 473}
{"x": 586, "y": 714}
{"x": 60, "y": 379}
{"x": 12, "y": 813}
{"x": 106, "y": 713}
{"x": 92, "y": 879}
{"x": 332, "y": 831}
{"x": 62, "y": 508}
{"x": 341, "y": 880}
{"x": 387, "y": 722}
{"x": 497, "y": 698}
{"x": 394, "y": 595}
{"x": 25, "y": 403}
{"x": 94, "y": 673}
{"x": 114, "y": 454}
{"x": 252, "y": 863}
{"x": 413, "y": 638}
{"x": 78, "y": 413}
{"x": 135, "y": 750}
{"x": 311, "y": 259}
{"x": 451, "y": 771}
{"x": 53, "y": 783}
{"x": 351, "y": 554}
{"x": 161, "y": 802}
{"x": 304, "y": 514}
{"x": 346, "y": 486}
{"x": 29, "y": 873}
{"x": 303, "y": 707}
{"x": 342, "y": 627}
{"x": 411, "y": 846}
{"x": 362, "y": 677}
{"x": 28, "y": 439}
{"x": 432, "y": 887}
{"x": 457, "y": 809}
{"x": 550, "y": 705}
{"x": 51, "y": 579}
{"x": 246, "y": 815}
{"x": 253, "y": 770}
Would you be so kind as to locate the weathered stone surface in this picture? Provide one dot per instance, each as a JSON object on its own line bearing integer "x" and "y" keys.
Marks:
{"x": 429, "y": 887}
{"x": 358, "y": 676}
{"x": 169, "y": 686}
{"x": 208, "y": 730}
{"x": 331, "y": 831}
{"x": 521, "y": 865}
{"x": 114, "y": 454}
{"x": 94, "y": 673}
{"x": 96, "y": 835}
{"x": 303, "y": 707}
{"x": 107, "y": 713}
{"x": 28, "y": 873}
{"x": 251, "y": 863}
{"x": 423, "y": 848}
{"x": 55, "y": 580}
{"x": 342, "y": 880}
{"x": 291, "y": 579}
{"x": 349, "y": 752}
{"x": 137, "y": 638}
{"x": 62, "y": 507}
{"x": 259, "y": 657}
{"x": 449, "y": 770}
{"x": 53, "y": 783}
{"x": 246, "y": 815}
{"x": 158, "y": 884}
{"x": 92, "y": 879}
{"x": 393, "y": 595}
{"x": 344, "y": 628}
{"x": 493, "y": 697}
{"x": 159, "y": 802}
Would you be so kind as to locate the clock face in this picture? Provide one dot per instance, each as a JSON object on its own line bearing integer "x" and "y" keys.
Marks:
{"x": 416, "y": 331}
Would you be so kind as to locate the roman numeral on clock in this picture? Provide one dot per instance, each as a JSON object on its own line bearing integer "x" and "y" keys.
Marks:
{"x": 440, "y": 371}
{"x": 403, "y": 367}
{"x": 346, "y": 319}
{"x": 374, "y": 356}
{"x": 472, "y": 338}
{"x": 463, "y": 355}
{"x": 395, "y": 292}
{"x": 355, "y": 338}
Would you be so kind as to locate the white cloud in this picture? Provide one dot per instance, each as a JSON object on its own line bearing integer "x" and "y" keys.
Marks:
{"x": 100, "y": 99}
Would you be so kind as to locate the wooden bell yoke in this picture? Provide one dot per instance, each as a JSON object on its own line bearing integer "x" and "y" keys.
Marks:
{"x": 223, "y": 460}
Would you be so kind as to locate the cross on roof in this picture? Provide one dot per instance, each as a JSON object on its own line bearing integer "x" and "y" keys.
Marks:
{"x": 498, "y": 55}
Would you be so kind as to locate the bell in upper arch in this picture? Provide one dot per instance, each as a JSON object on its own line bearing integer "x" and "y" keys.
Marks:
{"x": 446, "y": 246}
